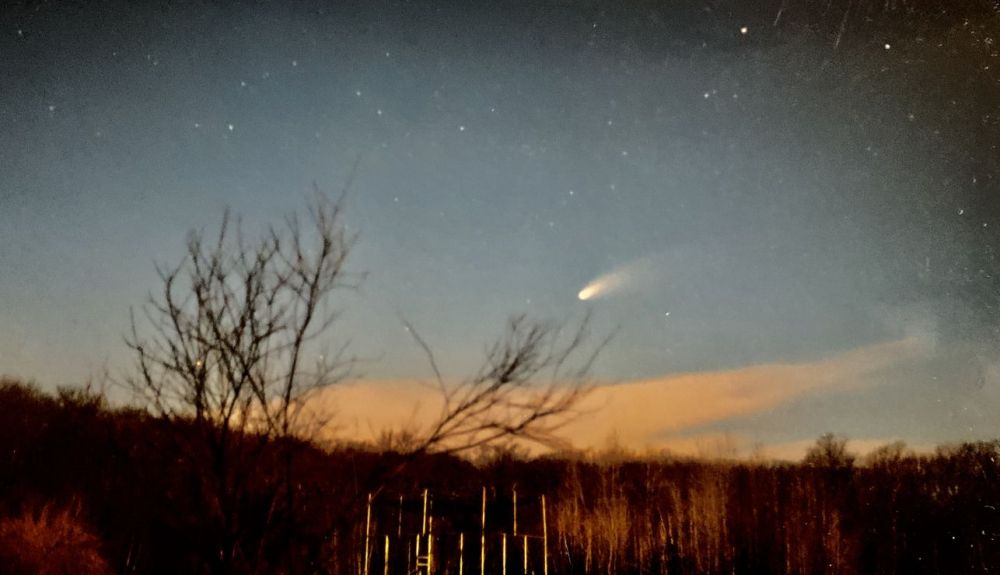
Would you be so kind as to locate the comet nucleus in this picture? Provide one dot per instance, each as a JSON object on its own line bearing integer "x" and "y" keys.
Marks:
{"x": 588, "y": 292}
{"x": 603, "y": 285}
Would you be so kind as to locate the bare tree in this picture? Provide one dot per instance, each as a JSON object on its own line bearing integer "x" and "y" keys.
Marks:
{"x": 829, "y": 452}
{"x": 224, "y": 345}
{"x": 528, "y": 387}
{"x": 227, "y": 334}
{"x": 229, "y": 347}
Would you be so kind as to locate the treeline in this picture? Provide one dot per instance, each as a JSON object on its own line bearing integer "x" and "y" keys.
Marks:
{"x": 88, "y": 489}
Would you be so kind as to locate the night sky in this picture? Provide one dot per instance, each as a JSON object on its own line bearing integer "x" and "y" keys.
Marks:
{"x": 755, "y": 193}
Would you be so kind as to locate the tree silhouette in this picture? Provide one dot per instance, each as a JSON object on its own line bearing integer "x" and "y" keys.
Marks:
{"x": 225, "y": 343}
{"x": 531, "y": 379}
{"x": 829, "y": 452}
{"x": 222, "y": 350}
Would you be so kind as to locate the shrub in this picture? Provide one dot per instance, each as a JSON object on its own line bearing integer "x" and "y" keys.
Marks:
{"x": 50, "y": 542}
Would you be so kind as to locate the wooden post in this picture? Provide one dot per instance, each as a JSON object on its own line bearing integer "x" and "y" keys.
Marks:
{"x": 515, "y": 512}
{"x": 423, "y": 526}
{"x": 368, "y": 530}
{"x": 385, "y": 564}
{"x": 503, "y": 554}
{"x": 482, "y": 539}
{"x": 525, "y": 571}
{"x": 430, "y": 553}
{"x": 416, "y": 554}
{"x": 545, "y": 541}
{"x": 461, "y": 552}
{"x": 399, "y": 520}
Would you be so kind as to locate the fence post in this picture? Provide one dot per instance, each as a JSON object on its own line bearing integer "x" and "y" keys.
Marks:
{"x": 416, "y": 554}
{"x": 430, "y": 549}
{"x": 525, "y": 572}
{"x": 385, "y": 564}
{"x": 504, "y": 555}
{"x": 515, "y": 512}
{"x": 423, "y": 525}
{"x": 482, "y": 539}
{"x": 368, "y": 530}
{"x": 545, "y": 541}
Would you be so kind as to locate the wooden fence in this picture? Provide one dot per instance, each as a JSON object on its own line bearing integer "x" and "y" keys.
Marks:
{"x": 449, "y": 535}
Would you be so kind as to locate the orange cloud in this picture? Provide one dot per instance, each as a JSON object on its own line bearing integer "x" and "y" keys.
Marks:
{"x": 643, "y": 414}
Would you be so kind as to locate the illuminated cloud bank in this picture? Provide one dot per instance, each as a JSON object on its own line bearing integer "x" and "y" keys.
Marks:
{"x": 656, "y": 413}
{"x": 646, "y": 414}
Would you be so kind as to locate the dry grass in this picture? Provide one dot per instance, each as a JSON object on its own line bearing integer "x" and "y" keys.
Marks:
{"x": 50, "y": 542}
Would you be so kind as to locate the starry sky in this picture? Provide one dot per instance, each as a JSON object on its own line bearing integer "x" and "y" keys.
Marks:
{"x": 771, "y": 185}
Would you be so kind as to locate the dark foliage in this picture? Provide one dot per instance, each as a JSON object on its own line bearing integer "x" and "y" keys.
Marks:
{"x": 127, "y": 478}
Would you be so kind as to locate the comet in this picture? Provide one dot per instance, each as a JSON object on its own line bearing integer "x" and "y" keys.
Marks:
{"x": 604, "y": 285}
{"x": 633, "y": 275}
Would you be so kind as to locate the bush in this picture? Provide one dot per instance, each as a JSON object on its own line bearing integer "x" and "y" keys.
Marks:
{"x": 50, "y": 542}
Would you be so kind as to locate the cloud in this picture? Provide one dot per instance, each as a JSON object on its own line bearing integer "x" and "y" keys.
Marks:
{"x": 363, "y": 410}
{"x": 644, "y": 414}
